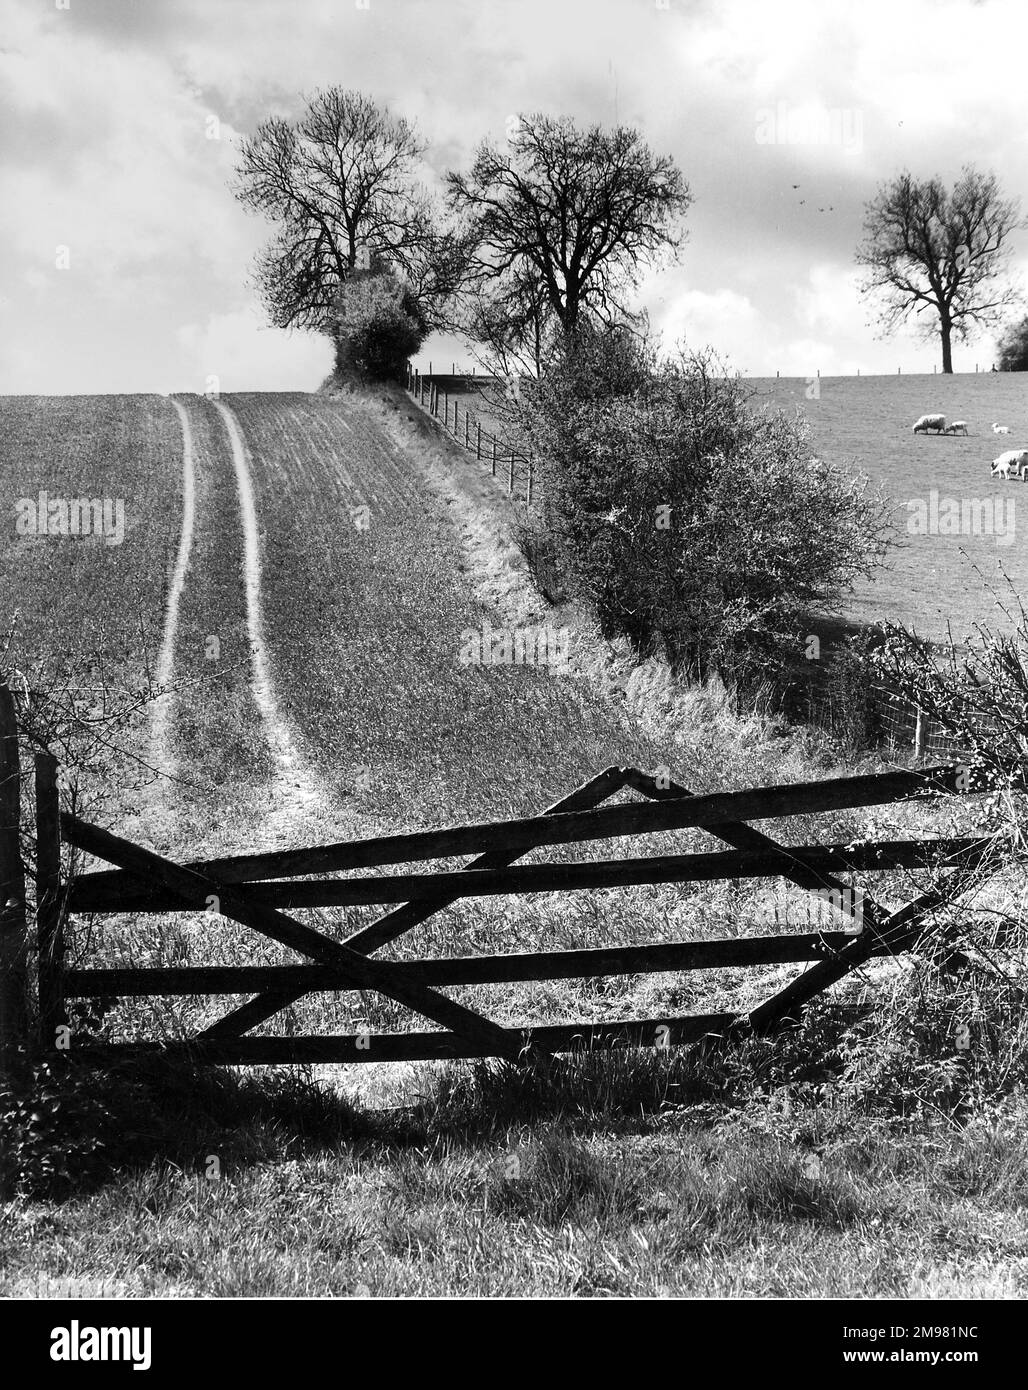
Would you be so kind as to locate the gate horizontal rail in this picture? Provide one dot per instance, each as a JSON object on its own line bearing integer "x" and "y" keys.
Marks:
{"x": 811, "y": 860}
{"x": 416, "y": 1047}
{"x": 607, "y": 822}
{"x": 469, "y": 970}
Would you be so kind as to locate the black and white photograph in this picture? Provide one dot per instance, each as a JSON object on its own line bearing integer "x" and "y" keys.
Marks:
{"x": 514, "y": 669}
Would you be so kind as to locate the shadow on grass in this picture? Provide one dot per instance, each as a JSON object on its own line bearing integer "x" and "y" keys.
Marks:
{"x": 70, "y": 1128}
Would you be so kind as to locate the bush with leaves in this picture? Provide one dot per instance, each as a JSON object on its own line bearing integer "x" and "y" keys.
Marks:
{"x": 55, "y": 1129}
{"x": 1013, "y": 347}
{"x": 977, "y": 691}
{"x": 379, "y": 324}
{"x": 690, "y": 523}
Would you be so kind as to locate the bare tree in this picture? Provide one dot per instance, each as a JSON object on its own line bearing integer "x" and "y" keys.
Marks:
{"x": 341, "y": 186}
{"x": 927, "y": 249}
{"x": 558, "y": 226}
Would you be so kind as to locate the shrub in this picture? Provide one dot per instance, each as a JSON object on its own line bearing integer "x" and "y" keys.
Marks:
{"x": 977, "y": 693}
{"x": 691, "y": 524}
{"x": 54, "y": 1130}
{"x": 379, "y": 324}
{"x": 1013, "y": 348}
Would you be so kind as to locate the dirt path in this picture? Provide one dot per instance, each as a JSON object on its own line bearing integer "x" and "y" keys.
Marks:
{"x": 295, "y": 792}
{"x": 161, "y": 756}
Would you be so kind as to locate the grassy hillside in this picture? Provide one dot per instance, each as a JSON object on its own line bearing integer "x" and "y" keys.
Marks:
{"x": 365, "y": 618}
{"x": 863, "y": 424}
{"x": 932, "y": 581}
{"x": 74, "y": 596}
{"x": 747, "y": 1174}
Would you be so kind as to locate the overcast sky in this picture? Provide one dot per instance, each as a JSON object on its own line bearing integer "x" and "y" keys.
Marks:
{"x": 109, "y": 107}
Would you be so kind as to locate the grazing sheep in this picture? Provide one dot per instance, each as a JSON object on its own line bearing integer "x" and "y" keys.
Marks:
{"x": 930, "y": 422}
{"x": 1015, "y": 459}
{"x": 1000, "y": 429}
{"x": 957, "y": 427}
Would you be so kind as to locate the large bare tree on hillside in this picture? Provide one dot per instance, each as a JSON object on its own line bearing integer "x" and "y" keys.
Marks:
{"x": 939, "y": 253}
{"x": 341, "y": 186}
{"x": 560, "y": 222}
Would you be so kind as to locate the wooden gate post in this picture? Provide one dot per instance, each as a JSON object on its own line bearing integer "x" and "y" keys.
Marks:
{"x": 49, "y": 904}
{"x": 13, "y": 933}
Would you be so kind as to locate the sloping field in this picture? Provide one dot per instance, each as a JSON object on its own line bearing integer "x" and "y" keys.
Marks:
{"x": 864, "y": 423}
{"x": 364, "y": 614}
{"x": 366, "y": 598}
{"x": 75, "y": 594}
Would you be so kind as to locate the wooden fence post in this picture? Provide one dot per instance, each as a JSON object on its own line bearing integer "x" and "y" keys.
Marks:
{"x": 494, "y": 458}
{"x": 529, "y": 499}
{"x": 13, "y": 933}
{"x": 919, "y": 732}
{"x": 467, "y": 428}
{"x": 510, "y": 476}
{"x": 446, "y": 410}
{"x": 478, "y": 444}
{"x": 49, "y": 906}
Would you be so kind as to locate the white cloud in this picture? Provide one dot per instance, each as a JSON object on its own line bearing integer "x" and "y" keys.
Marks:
{"x": 245, "y": 355}
{"x": 721, "y": 318}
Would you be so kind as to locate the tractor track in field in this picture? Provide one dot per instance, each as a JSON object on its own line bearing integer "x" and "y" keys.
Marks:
{"x": 161, "y": 756}
{"x": 296, "y": 794}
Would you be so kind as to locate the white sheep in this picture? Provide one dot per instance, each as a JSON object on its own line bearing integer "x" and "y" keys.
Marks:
{"x": 1000, "y": 429}
{"x": 930, "y": 422}
{"x": 957, "y": 427}
{"x": 1013, "y": 459}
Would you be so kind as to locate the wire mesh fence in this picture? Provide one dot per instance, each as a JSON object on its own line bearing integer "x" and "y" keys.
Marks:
{"x": 844, "y": 703}
{"x": 440, "y": 396}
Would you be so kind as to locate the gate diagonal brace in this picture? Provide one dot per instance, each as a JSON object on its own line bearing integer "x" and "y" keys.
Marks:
{"x": 742, "y": 836}
{"x": 239, "y": 906}
{"x": 898, "y": 929}
{"x": 401, "y": 919}
{"x": 901, "y": 929}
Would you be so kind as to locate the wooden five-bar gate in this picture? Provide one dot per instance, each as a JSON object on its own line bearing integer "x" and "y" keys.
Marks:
{"x": 261, "y": 891}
